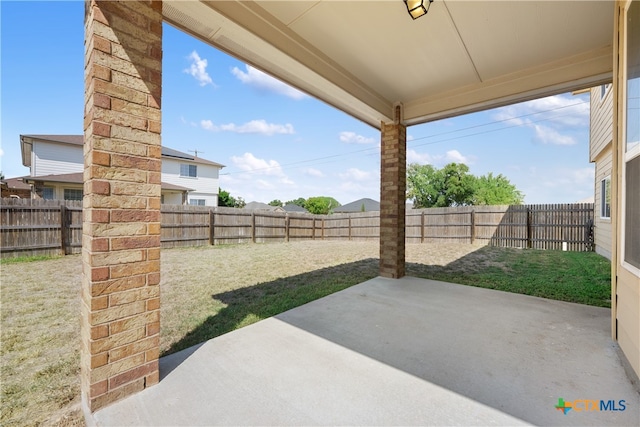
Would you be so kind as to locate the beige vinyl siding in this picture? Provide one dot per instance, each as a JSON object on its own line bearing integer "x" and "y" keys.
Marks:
{"x": 601, "y": 121}
{"x": 602, "y": 232}
{"x": 628, "y": 315}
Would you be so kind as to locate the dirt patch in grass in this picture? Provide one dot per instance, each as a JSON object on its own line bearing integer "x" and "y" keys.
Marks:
{"x": 209, "y": 291}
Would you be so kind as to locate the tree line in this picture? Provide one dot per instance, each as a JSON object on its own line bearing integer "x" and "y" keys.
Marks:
{"x": 320, "y": 205}
{"x": 427, "y": 187}
{"x": 453, "y": 185}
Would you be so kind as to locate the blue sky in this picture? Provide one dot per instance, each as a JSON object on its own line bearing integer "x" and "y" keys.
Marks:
{"x": 276, "y": 142}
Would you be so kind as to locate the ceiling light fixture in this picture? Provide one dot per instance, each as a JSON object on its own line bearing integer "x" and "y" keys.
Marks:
{"x": 417, "y": 8}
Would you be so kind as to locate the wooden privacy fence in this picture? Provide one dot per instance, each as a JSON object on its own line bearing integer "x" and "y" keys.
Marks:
{"x": 197, "y": 226}
{"x": 519, "y": 226}
{"x": 38, "y": 227}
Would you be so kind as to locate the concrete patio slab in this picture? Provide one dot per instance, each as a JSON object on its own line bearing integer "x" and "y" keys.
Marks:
{"x": 397, "y": 352}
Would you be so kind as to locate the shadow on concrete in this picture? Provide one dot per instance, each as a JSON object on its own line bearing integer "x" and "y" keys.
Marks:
{"x": 271, "y": 298}
{"x": 511, "y": 352}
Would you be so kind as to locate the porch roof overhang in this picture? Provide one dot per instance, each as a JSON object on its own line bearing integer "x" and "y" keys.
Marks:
{"x": 365, "y": 57}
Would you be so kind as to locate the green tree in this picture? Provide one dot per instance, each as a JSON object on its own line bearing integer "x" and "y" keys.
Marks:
{"x": 496, "y": 190}
{"x": 453, "y": 185}
{"x": 300, "y": 201}
{"x": 225, "y": 199}
{"x": 430, "y": 187}
{"x": 239, "y": 203}
{"x": 321, "y": 205}
{"x": 275, "y": 202}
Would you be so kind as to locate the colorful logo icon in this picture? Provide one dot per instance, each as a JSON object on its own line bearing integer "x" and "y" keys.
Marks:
{"x": 590, "y": 405}
{"x": 563, "y": 406}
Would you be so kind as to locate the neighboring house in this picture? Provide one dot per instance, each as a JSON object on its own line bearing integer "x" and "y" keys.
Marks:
{"x": 600, "y": 152}
{"x": 259, "y": 206}
{"x": 294, "y": 208}
{"x": 15, "y": 187}
{"x": 361, "y": 205}
{"x": 56, "y": 165}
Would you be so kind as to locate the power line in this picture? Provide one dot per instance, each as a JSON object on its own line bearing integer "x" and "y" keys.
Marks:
{"x": 297, "y": 163}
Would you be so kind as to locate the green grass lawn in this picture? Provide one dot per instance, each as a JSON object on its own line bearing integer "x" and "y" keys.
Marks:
{"x": 580, "y": 277}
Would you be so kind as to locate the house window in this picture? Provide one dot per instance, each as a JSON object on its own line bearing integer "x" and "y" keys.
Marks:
{"x": 631, "y": 174}
{"x": 47, "y": 193}
{"x": 605, "y": 198}
{"x": 197, "y": 202}
{"x": 72, "y": 194}
{"x": 189, "y": 170}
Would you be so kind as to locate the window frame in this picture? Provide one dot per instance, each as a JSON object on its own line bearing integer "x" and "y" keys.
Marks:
{"x": 64, "y": 194}
{"x": 189, "y": 168}
{"x": 628, "y": 154}
{"x": 53, "y": 193}
{"x": 198, "y": 202}
{"x": 605, "y": 206}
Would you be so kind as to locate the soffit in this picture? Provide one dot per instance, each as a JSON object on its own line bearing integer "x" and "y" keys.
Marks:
{"x": 363, "y": 57}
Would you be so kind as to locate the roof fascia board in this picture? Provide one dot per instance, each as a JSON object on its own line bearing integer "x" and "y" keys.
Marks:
{"x": 558, "y": 77}
{"x": 26, "y": 147}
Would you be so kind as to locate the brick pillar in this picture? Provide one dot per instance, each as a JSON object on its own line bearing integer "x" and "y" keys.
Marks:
{"x": 121, "y": 228}
{"x": 393, "y": 183}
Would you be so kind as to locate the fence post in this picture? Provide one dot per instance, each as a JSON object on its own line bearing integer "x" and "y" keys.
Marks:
{"x": 473, "y": 226}
{"x": 286, "y": 227}
{"x": 349, "y": 217}
{"x": 529, "y": 230}
{"x": 322, "y": 230}
{"x": 64, "y": 226}
{"x": 253, "y": 227}
{"x": 422, "y": 227}
{"x": 212, "y": 227}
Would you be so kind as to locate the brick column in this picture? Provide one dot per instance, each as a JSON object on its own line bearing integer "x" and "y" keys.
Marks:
{"x": 121, "y": 228}
{"x": 393, "y": 183}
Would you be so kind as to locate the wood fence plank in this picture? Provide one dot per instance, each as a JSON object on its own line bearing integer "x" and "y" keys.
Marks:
{"x": 34, "y": 227}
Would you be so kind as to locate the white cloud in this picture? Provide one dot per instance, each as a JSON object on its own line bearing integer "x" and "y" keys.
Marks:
{"x": 313, "y": 172}
{"x": 208, "y": 125}
{"x": 250, "y": 163}
{"x": 547, "y": 135}
{"x": 260, "y": 127}
{"x": 438, "y": 159}
{"x": 455, "y": 156}
{"x": 414, "y": 157}
{"x": 254, "y": 126}
{"x": 198, "y": 69}
{"x": 561, "y": 114}
{"x": 355, "y": 174}
{"x": 262, "y": 81}
{"x": 354, "y": 138}
{"x": 1, "y": 152}
{"x": 257, "y": 179}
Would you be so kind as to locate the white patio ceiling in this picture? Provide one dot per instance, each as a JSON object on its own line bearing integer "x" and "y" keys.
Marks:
{"x": 364, "y": 56}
